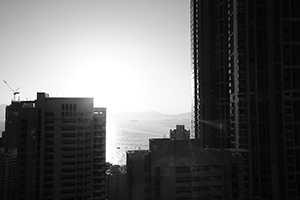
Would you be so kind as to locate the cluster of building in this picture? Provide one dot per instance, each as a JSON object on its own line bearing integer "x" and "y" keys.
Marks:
{"x": 245, "y": 118}
{"x": 54, "y": 148}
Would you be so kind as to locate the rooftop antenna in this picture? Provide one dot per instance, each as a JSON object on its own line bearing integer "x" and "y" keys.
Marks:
{"x": 15, "y": 92}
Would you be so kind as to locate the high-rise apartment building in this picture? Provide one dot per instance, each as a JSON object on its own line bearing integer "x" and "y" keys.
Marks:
{"x": 138, "y": 175}
{"x": 246, "y": 87}
{"x": 182, "y": 169}
{"x": 20, "y": 119}
{"x": 180, "y": 133}
{"x": 61, "y": 147}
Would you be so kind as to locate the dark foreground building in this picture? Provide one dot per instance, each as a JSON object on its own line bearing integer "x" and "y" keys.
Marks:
{"x": 246, "y": 87}
{"x": 116, "y": 182}
{"x": 182, "y": 169}
{"x": 60, "y": 146}
{"x": 8, "y": 174}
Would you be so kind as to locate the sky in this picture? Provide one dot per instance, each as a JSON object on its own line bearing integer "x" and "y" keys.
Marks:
{"x": 130, "y": 55}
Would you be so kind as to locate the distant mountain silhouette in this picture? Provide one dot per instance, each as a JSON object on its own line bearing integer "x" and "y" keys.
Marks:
{"x": 2, "y": 126}
{"x": 2, "y": 111}
{"x": 148, "y": 115}
{"x": 151, "y": 115}
{"x": 2, "y": 118}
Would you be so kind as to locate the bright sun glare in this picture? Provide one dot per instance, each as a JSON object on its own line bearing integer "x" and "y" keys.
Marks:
{"x": 113, "y": 87}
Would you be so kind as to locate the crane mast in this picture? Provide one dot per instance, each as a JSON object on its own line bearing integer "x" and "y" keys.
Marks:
{"x": 15, "y": 92}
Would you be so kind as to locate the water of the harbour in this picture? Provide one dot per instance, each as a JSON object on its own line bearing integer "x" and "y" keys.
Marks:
{"x": 123, "y": 135}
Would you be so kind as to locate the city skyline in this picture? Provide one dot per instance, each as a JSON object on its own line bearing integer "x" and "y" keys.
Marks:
{"x": 136, "y": 54}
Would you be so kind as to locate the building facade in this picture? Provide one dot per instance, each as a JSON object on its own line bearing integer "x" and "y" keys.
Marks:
{"x": 246, "y": 88}
{"x": 138, "y": 175}
{"x": 20, "y": 122}
{"x": 8, "y": 174}
{"x": 61, "y": 147}
{"x": 182, "y": 169}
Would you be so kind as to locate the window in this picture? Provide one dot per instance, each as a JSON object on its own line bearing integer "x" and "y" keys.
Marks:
{"x": 206, "y": 188}
{"x": 295, "y": 4}
{"x": 80, "y": 141}
{"x": 68, "y": 142}
{"x": 206, "y": 178}
{"x": 295, "y": 55}
{"x": 48, "y": 164}
{"x": 68, "y": 148}
{"x": 79, "y": 148}
{"x": 217, "y": 167}
{"x": 296, "y": 110}
{"x": 295, "y": 26}
{"x": 48, "y": 171}
{"x": 67, "y": 191}
{"x": 183, "y": 169}
{"x": 67, "y": 163}
{"x": 49, "y": 156}
{"x": 49, "y": 135}
{"x": 51, "y": 142}
{"x": 197, "y": 178}
{"x": 182, "y": 179}
{"x": 197, "y": 169}
{"x": 68, "y": 184}
{"x": 68, "y": 156}
{"x": 49, "y": 128}
{"x": 69, "y": 121}
{"x": 68, "y": 134}
{"x": 206, "y": 168}
{"x": 48, "y": 185}
{"x": 49, "y": 149}
{"x": 68, "y": 170}
{"x": 295, "y": 78}
{"x": 68, "y": 128}
{"x": 216, "y": 177}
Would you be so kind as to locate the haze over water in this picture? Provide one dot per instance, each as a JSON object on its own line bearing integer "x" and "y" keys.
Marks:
{"x": 123, "y": 135}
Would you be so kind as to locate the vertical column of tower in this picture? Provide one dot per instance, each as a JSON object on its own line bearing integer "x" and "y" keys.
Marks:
{"x": 40, "y": 145}
{"x": 202, "y": 66}
{"x": 99, "y": 154}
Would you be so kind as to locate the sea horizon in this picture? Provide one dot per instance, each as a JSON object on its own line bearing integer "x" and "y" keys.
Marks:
{"x": 124, "y": 135}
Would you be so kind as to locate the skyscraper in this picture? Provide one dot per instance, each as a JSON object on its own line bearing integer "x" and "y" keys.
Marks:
{"x": 246, "y": 87}
{"x": 60, "y": 147}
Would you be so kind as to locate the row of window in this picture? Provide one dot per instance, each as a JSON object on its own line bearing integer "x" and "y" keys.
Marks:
{"x": 68, "y": 106}
{"x": 188, "y": 169}
{"x": 80, "y": 134}
{"x": 197, "y": 178}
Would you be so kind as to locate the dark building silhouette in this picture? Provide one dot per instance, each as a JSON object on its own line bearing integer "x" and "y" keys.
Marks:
{"x": 8, "y": 174}
{"x": 182, "y": 169}
{"x": 246, "y": 87}
{"x": 20, "y": 119}
{"x": 180, "y": 133}
{"x": 60, "y": 146}
{"x": 116, "y": 182}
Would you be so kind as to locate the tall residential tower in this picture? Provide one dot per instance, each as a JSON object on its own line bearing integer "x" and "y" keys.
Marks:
{"x": 246, "y": 87}
{"x": 60, "y": 147}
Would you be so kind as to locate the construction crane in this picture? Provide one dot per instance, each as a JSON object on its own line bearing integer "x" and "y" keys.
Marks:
{"x": 15, "y": 92}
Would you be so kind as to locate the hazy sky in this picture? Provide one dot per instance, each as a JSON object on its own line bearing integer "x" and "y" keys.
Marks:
{"x": 131, "y": 55}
